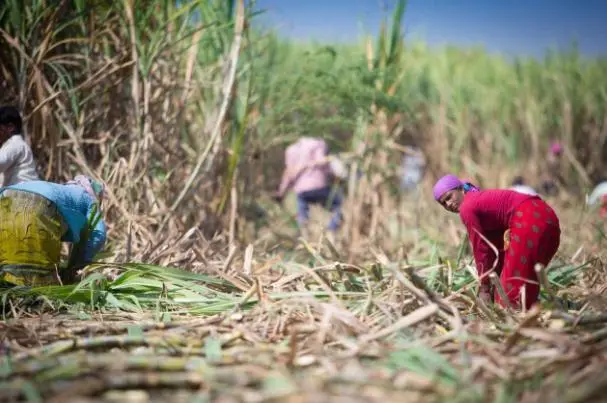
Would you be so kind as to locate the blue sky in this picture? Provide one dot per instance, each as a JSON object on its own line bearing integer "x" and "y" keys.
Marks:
{"x": 515, "y": 27}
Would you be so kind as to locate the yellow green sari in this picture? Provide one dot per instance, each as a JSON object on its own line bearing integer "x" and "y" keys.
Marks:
{"x": 31, "y": 229}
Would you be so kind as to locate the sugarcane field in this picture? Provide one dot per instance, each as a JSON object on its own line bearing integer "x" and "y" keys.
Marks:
{"x": 196, "y": 207}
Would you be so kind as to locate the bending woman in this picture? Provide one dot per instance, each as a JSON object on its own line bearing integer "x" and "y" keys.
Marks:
{"x": 534, "y": 233}
{"x": 36, "y": 216}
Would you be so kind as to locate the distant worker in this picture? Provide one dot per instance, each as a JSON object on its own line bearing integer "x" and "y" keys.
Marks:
{"x": 412, "y": 169}
{"x": 518, "y": 185}
{"x": 16, "y": 157}
{"x": 523, "y": 228}
{"x": 598, "y": 196}
{"x": 308, "y": 172}
{"x": 552, "y": 179}
{"x": 36, "y": 217}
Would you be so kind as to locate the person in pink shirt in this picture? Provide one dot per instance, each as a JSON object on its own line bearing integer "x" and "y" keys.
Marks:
{"x": 308, "y": 173}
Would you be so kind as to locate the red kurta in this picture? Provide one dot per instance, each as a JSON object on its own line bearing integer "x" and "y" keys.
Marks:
{"x": 534, "y": 237}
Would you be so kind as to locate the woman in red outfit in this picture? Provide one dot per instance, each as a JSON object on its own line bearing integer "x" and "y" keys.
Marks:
{"x": 534, "y": 234}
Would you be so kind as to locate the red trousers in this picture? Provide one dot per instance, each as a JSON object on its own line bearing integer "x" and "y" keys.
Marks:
{"x": 534, "y": 238}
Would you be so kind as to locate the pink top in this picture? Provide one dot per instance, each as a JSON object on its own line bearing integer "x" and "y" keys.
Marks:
{"x": 304, "y": 152}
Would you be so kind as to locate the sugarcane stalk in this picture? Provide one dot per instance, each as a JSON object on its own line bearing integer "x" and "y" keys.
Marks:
{"x": 421, "y": 291}
{"x": 542, "y": 276}
{"x": 142, "y": 380}
{"x": 145, "y": 326}
{"x": 79, "y": 364}
{"x": 580, "y": 320}
{"x": 480, "y": 304}
{"x": 500, "y": 290}
{"x": 173, "y": 380}
{"x": 64, "y": 346}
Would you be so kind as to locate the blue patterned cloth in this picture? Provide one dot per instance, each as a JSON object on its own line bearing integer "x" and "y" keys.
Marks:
{"x": 76, "y": 206}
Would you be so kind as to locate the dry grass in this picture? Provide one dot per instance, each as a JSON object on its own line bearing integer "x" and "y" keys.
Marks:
{"x": 302, "y": 351}
{"x": 301, "y": 324}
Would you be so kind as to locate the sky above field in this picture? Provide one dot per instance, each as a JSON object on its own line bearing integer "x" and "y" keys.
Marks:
{"x": 514, "y": 27}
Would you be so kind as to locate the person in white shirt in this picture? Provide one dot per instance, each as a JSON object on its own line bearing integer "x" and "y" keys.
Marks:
{"x": 599, "y": 197}
{"x": 16, "y": 157}
{"x": 518, "y": 185}
{"x": 412, "y": 169}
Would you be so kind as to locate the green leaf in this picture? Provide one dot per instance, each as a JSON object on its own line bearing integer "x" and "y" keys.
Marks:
{"x": 212, "y": 349}
{"x": 135, "y": 331}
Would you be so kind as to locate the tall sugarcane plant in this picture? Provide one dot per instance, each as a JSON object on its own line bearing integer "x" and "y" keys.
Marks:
{"x": 378, "y": 120}
{"x": 108, "y": 87}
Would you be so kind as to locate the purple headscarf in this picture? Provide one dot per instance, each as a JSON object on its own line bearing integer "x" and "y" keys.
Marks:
{"x": 450, "y": 182}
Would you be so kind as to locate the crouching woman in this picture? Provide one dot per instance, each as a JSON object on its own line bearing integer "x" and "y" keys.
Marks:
{"x": 533, "y": 229}
{"x": 36, "y": 217}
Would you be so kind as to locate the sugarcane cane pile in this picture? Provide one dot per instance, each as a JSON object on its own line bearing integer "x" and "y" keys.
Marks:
{"x": 332, "y": 332}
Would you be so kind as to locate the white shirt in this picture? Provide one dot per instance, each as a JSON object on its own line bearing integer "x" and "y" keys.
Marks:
{"x": 412, "y": 170}
{"x": 528, "y": 190}
{"x": 17, "y": 161}
{"x": 597, "y": 193}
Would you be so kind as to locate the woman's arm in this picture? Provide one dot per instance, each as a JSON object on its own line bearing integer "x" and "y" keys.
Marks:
{"x": 95, "y": 238}
{"x": 484, "y": 256}
{"x": 95, "y": 241}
